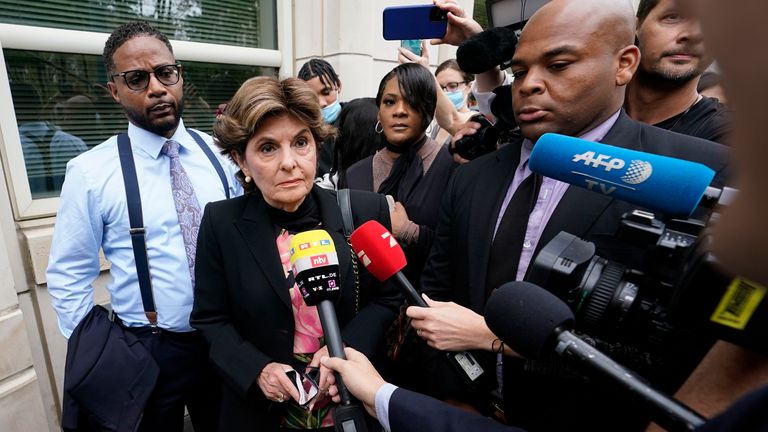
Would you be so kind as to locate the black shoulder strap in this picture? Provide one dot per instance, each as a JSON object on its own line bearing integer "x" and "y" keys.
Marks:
{"x": 137, "y": 231}
{"x": 345, "y": 204}
{"x": 215, "y": 162}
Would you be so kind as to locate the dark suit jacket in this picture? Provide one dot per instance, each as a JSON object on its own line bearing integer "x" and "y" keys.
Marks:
{"x": 746, "y": 415}
{"x": 100, "y": 351}
{"x": 409, "y": 411}
{"x": 242, "y": 305}
{"x": 458, "y": 264}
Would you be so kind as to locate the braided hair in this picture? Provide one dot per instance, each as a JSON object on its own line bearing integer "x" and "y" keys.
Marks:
{"x": 321, "y": 69}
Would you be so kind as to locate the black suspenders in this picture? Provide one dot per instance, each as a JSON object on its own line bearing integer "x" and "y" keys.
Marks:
{"x": 137, "y": 231}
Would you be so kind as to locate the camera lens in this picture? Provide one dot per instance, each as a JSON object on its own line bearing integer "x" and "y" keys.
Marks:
{"x": 436, "y": 14}
{"x": 604, "y": 295}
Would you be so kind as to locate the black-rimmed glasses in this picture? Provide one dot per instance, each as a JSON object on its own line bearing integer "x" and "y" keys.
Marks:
{"x": 138, "y": 80}
{"x": 453, "y": 86}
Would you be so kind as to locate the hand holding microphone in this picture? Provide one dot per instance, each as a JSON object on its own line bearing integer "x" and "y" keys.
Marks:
{"x": 360, "y": 376}
{"x": 447, "y": 326}
{"x": 316, "y": 270}
{"x": 383, "y": 257}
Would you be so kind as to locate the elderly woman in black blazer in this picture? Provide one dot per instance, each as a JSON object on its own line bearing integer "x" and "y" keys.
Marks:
{"x": 246, "y": 303}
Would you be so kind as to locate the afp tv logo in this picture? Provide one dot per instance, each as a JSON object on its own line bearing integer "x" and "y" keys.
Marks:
{"x": 609, "y": 172}
{"x": 638, "y": 172}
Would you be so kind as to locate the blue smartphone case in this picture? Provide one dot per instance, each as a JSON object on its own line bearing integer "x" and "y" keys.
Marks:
{"x": 414, "y": 22}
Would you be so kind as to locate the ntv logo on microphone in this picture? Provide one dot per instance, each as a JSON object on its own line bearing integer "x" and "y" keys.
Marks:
{"x": 319, "y": 260}
{"x": 608, "y": 171}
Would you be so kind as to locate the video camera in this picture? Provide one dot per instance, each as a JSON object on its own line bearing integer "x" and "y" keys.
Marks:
{"x": 486, "y": 139}
{"x": 677, "y": 287}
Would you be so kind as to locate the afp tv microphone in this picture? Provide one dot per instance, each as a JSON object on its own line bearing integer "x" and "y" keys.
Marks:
{"x": 383, "y": 257}
{"x": 660, "y": 183}
{"x": 316, "y": 270}
{"x": 534, "y": 322}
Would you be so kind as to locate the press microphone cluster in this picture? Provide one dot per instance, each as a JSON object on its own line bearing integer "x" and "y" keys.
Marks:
{"x": 661, "y": 183}
{"x": 383, "y": 257}
{"x": 534, "y": 322}
{"x": 315, "y": 266}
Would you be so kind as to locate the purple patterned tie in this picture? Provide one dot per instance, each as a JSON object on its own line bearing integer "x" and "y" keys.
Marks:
{"x": 187, "y": 206}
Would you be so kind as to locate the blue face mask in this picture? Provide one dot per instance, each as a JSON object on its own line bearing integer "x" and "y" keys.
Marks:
{"x": 458, "y": 98}
{"x": 331, "y": 112}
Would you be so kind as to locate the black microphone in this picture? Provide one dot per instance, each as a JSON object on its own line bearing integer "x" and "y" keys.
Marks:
{"x": 484, "y": 51}
{"x": 383, "y": 257}
{"x": 316, "y": 270}
{"x": 534, "y": 322}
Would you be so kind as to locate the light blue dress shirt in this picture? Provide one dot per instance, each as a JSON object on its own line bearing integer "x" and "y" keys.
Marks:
{"x": 550, "y": 194}
{"x": 381, "y": 403}
{"x": 93, "y": 214}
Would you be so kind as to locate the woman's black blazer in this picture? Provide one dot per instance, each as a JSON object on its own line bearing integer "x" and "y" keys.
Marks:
{"x": 242, "y": 305}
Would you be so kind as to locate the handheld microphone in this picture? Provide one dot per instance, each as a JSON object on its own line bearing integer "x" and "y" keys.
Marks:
{"x": 661, "y": 183}
{"x": 383, "y": 257}
{"x": 316, "y": 270}
{"x": 534, "y": 322}
{"x": 484, "y": 51}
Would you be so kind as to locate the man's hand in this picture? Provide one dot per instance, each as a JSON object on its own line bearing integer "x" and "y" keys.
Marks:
{"x": 468, "y": 128}
{"x": 449, "y": 327}
{"x": 460, "y": 26}
{"x": 359, "y": 375}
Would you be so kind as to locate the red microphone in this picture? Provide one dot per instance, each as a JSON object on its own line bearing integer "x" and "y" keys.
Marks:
{"x": 383, "y": 257}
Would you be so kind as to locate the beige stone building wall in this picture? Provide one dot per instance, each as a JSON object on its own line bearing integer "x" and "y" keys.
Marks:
{"x": 348, "y": 34}
{"x": 22, "y": 407}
